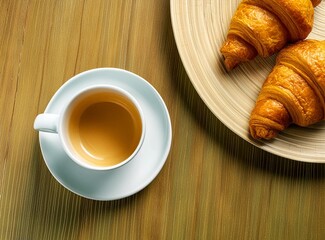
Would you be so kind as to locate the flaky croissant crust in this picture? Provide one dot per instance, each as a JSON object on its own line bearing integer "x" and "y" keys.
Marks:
{"x": 296, "y": 15}
{"x": 294, "y": 92}
{"x": 263, "y": 27}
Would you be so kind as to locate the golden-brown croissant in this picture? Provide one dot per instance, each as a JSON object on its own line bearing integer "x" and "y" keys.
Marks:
{"x": 294, "y": 92}
{"x": 263, "y": 27}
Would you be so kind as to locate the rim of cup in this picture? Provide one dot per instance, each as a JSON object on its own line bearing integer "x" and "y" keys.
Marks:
{"x": 64, "y": 138}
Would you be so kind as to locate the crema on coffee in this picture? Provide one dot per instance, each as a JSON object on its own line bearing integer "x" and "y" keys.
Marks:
{"x": 104, "y": 128}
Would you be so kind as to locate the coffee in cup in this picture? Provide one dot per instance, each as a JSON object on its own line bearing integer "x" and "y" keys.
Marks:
{"x": 101, "y": 127}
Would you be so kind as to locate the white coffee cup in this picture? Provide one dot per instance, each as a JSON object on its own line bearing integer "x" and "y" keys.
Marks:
{"x": 101, "y": 128}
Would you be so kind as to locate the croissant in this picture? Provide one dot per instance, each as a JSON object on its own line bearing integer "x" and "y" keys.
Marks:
{"x": 293, "y": 93}
{"x": 263, "y": 27}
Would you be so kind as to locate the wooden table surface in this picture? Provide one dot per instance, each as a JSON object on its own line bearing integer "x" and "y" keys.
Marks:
{"x": 214, "y": 185}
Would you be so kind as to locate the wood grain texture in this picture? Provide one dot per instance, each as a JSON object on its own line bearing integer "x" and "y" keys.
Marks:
{"x": 214, "y": 185}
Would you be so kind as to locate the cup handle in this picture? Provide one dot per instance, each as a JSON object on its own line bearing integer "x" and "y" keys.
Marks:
{"x": 46, "y": 122}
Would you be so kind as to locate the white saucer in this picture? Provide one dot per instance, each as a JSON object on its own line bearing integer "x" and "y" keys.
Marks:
{"x": 135, "y": 175}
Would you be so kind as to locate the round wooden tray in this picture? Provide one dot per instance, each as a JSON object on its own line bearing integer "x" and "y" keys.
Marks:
{"x": 200, "y": 27}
